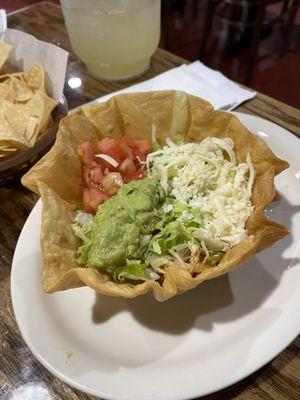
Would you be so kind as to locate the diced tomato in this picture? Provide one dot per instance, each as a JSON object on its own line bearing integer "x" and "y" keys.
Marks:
{"x": 138, "y": 174}
{"x": 86, "y": 176}
{"x": 110, "y": 147}
{"x": 127, "y": 167}
{"x": 92, "y": 197}
{"x": 96, "y": 175}
{"x": 106, "y": 144}
{"x": 112, "y": 182}
{"x": 92, "y": 175}
{"x": 143, "y": 146}
{"x": 101, "y": 179}
{"x": 128, "y": 140}
{"x": 138, "y": 157}
{"x": 277, "y": 196}
{"x": 126, "y": 145}
{"x": 141, "y": 150}
{"x": 127, "y": 151}
{"x": 86, "y": 153}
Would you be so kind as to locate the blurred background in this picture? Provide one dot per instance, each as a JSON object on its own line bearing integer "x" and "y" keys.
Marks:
{"x": 254, "y": 42}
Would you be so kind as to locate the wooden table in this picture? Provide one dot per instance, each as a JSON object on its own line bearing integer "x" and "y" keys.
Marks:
{"x": 280, "y": 379}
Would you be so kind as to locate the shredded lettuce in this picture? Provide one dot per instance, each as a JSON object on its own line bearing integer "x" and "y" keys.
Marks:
{"x": 133, "y": 269}
{"x": 173, "y": 233}
{"x": 84, "y": 233}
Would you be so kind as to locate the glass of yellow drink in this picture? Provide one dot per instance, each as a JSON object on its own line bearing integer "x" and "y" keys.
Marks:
{"x": 114, "y": 38}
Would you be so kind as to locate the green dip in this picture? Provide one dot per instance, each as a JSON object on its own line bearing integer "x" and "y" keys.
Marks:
{"x": 115, "y": 233}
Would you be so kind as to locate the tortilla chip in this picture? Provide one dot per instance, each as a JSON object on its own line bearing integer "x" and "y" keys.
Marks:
{"x": 19, "y": 122}
{"x": 22, "y": 91}
{"x": 35, "y": 76}
{"x": 15, "y": 89}
{"x": 31, "y": 132}
{"x": 8, "y": 133}
{"x": 18, "y": 75}
{"x": 5, "y": 49}
{"x": 41, "y": 106}
{"x": 16, "y": 115}
{"x": 6, "y": 90}
{"x": 57, "y": 178}
{"x": 25, "y": 108}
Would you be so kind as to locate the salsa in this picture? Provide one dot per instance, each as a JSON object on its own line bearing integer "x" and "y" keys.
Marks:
{"x": 107, "y": 165}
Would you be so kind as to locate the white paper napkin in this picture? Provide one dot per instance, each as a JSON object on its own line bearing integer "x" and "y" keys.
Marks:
{"x": 195, "y": 79}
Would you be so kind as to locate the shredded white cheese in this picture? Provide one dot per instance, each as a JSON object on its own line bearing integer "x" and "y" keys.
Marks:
{"x": 206, "y": 175}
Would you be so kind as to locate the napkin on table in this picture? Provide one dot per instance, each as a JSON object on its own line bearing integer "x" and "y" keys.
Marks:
{"x": 195, "y": 79}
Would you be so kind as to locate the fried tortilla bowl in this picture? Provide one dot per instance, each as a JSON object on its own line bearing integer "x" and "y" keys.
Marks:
{"x": 57, "y": 178}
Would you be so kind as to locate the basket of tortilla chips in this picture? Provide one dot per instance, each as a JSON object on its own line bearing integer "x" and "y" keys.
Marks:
{"x": 28, "y": 118}
{"x": 152, "y": 192}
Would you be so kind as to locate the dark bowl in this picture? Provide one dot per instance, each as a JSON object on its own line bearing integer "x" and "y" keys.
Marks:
{"x": 14, "y": 167}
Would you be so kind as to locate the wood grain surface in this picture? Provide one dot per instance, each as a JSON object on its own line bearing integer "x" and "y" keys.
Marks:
{"x": 21, "y": 376}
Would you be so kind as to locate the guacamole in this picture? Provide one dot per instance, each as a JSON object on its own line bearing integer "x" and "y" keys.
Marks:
{"x": 115, "y": 233}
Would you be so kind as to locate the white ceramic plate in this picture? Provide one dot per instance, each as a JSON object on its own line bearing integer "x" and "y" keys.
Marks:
{"x": 191, "y": 345}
